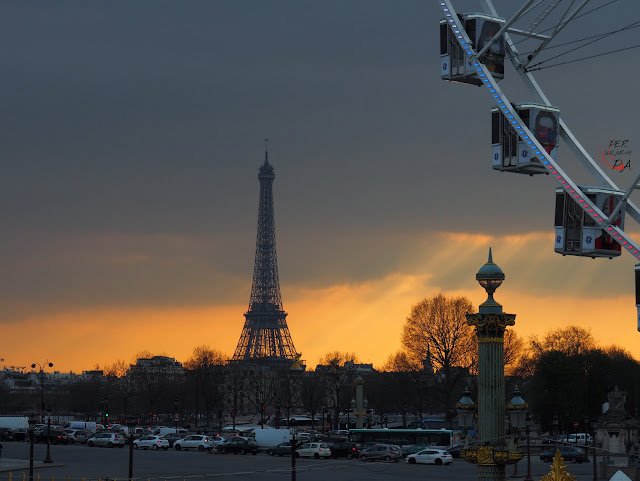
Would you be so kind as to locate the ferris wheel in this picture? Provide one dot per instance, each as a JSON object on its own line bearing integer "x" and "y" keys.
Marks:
{"x": 589, "y": 220}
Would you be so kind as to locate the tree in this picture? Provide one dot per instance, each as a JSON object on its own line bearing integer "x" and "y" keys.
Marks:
{"x": 513, "y": 351}
{"x": 436, "y": 333}
{"x": 262, "y": 389}
{"x": 206, "y": 367}
{"x": 337, "y": 370}
{"x": 152, "y": 380}
{"x": 570, "y": 340}
{"x": 437, "y": 330}
{"x": 313, "y": 393}
{"x": 119, "y": 382}
{"x": 411, "y": 381}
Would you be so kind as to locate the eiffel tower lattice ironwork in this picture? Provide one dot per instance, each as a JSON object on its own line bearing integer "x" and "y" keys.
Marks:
{"x": 265, "y": 336}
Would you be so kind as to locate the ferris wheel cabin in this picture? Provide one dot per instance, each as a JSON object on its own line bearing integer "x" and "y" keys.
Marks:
{"x": 481, "y": 28}
{"x": 510, "y": 151}
{"x": 577, "y": 233}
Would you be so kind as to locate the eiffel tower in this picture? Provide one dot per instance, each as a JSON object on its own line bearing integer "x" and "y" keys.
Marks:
{"x": 265, "y": 338}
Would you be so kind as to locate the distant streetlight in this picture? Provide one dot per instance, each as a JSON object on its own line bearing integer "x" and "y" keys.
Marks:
{"x": 42, "y": 407}
{"x": 41, "y": 371}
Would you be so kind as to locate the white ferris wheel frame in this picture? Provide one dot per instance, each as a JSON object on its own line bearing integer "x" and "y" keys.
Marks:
{"x": 534, "y": 147}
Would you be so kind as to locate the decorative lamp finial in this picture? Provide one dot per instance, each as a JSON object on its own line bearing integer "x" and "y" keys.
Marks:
{"x": 490, "y": 277}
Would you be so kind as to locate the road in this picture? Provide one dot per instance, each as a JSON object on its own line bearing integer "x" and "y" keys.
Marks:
{"x": 78, "y": 461}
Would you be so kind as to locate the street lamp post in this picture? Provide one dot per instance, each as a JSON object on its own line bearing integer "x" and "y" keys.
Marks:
{"x": 587, "y": 425}
{"x": 517, "y": 409}
{"x": 48, "y": 459}
{"x": 324, "y": 408}
{"x": 528, "y": 477}
{"x": 42, "y": 368}
{"x": 555, "y": 429}
{"x": 278, "y": 407}
{"x": 176, "y": 415}
{"x": 131, "y": 425}
{"x": 42, "y": 407}
{"x": 466, "y": 409}
{"x": 32, "y": 424}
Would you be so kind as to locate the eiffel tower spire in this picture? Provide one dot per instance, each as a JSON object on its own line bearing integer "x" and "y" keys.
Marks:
{"x": 265, "y": 336}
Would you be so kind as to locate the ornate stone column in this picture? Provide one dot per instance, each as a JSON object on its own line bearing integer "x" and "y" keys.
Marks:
{"x": 490, "y": 322}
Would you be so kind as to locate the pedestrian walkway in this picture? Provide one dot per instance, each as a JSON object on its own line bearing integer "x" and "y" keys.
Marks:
{"x": 8, "y": 464}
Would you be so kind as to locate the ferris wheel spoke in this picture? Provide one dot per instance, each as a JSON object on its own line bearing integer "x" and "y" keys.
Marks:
{"x": 484, "y": 77}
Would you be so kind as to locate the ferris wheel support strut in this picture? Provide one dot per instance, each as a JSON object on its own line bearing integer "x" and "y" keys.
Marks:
{"x": 565, "y": 133}
{"x": 533, "y": 145}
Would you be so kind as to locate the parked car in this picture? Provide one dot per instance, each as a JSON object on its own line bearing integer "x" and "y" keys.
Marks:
{"x": 345, "y": 449}
{"x": 316, "y": 450}
{"x": 238, "y": 445}
{"x": 55, "y": 436}
{"x": 200, "y": 442}
{"x": 384, "y": 452}
{"x": 569, "y": 453}
{"x": 151, "y": 442}
{"x": 20, "y": 434}
{"x": 76, "y": 435}
{"x": 282, "y": 449}
{"x": 173, "y": 437}
{"x": 216, "y": 440}
{"x": 107, "y": 439}
{"x": 6, "y": 434}
{"x": 456, "y": 451}
{"x": 430, "y": 456}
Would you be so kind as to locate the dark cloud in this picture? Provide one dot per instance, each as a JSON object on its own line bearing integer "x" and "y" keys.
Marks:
{"x": 147, "y": 119}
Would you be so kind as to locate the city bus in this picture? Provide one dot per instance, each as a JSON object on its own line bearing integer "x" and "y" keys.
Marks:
{"x": 410, "y": 440}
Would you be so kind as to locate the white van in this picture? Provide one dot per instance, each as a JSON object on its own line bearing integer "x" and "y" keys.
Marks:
{"x": 579, "y": 438}
{"x": 268, "y": 438}
{"x": 89, "y": 427}
{"x": 164, "y": 430}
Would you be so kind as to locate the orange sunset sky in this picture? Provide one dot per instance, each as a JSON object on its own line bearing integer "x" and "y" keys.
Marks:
{"x": 129, "y": 190}
{"x": 365, "y": 318}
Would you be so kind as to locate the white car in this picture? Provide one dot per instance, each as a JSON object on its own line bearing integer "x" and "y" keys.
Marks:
{"x": 151, "y": 442}
{"x": 194, "y": 441}
{"x": 430, "y": 456}
{"x": 109, "y": 440}
{"x": 316, "y": 450}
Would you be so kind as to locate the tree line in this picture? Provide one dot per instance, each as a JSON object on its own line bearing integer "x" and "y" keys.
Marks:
{"x": 564, "y": 375}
